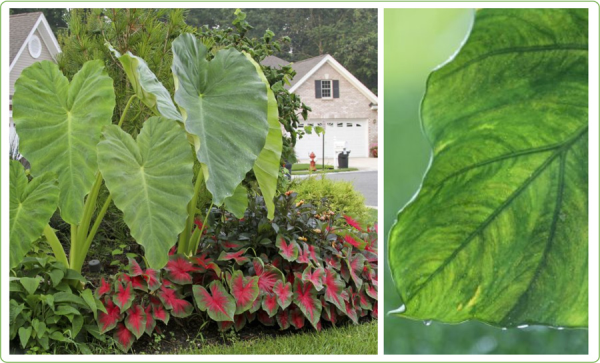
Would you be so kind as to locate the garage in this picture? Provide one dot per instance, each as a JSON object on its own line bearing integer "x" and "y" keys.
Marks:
{"x": 352, "y": 132}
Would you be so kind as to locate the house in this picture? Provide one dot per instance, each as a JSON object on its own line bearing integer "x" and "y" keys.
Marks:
{"x": 340, "y": 103}
{"x": 31, "y": 40}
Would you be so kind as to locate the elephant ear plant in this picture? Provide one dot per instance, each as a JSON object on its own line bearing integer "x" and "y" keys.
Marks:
{"x": 499, "y": 230}
{"x": 226, "y": 118}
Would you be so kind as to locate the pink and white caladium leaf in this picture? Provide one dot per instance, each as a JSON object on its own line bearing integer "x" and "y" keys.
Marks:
{"x": 207, "y": 263}
{"x": 134, "y": 268}
{"x": 159, "y": 313}
{"x": 104, "y": 288}
{"x": 283, "y": 319}
{"x": 179, "y": 270}
{"x": 289, "y": 251}
{"x": 315, "y": 277}
{"x": 313, "y": 252}
{"x": 267, "y": 275}
{"x": 353, "y": 240}
{"x": 296, "y": 318}
{"x": 232, "y": 245}
{"x": 150, "y": 321}
{"x": 270, "y": 304}
{"x": 135, "y": 320}
{"x": 333, "y": 261}
{"x": 283, "y": 292}
{"x": 350, "y": 311}
{"x": 137, "y": 282}
{"x": 375, "y": 312}
{"x": 123, "y": 296}
{"x": 256, "y": 305}
{"x": 264, "y": 318}
{"x": 334, "y": 288}
{"x": 152, "y": 278}
{"x": 123, "y": 337}
{"x": 108, "y": 320}
{"x": 353, "y": 223}
{"x": 356, "y": 264}
{"x": 250, "y": 316}
{"x": 329, "y": 312}
{"x": 179, "y": 307}
{"x": 305, "y": 297}
{"x": 224, "y": 325}
{"x": 371, "y": 290}
{"x": 239, "y": 322}
{"x": 364, "y": 300}
{"x": 218, "y": 303}
{"x": 303, "y": 256}
{"x": 237, "y": 256}
{"x": 244, "y": 290}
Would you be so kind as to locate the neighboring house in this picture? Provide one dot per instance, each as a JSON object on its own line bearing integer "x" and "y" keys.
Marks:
{"x": 340, "y": 103}
{"x": 31, "y": 40}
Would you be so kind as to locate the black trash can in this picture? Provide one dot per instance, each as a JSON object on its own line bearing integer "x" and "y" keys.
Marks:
{"x": 343, "y": 159}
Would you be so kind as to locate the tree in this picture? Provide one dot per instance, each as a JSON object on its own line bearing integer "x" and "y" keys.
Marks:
{"x": 55, "y": 16}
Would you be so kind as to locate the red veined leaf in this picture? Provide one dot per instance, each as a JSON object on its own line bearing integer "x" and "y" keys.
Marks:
{"x": 179, "y": 307}
{"x": 375, "y": 312}
{"x": 333, "y": 261}
{"x": 315, "y": 277}
{"x": 239, "y": 321}
{"x": 363, "y": 312}
{"x": 137, "y": 282}
{"x": 355, "y": 268}
{"x": 159, "y": 313}
{"x": 354, "y": 241}
{"x": 123, "y": 337}
{"x": 283, "y": 291}
{"x": 178, "y": 270}
{"x": 289, "y": 251}
{"x": 224, "y": 325}
{"x": 152, "y": 278}
{"x": 303, "y": 256}
{"x": 267, "y": 275}
{"x": 371, "y": 291}
{"x": 167, "y": 283}
{"x": 353, "y": 223}
{"x": 250, "y": 316}
{"x": 376, "y": 230}
{"x": 232, "y": 245}
{"x": 350, "y": 311}
{"x": 269, "y": 304}
{"x": 134, "y": 267}
{"x": 173, "y": 250}
{"x": 244, "y": 290}
{"x": 334, "y": 288}
{"x": 283, "y": 319}
{"x": 290, "y": 278}
{"x": 313, "y": 252}
{"x": 279, "y": 263}
{"x": 108, "y": 320}
{"x": 319, "y": 326}
{"x": 364, "y": 301}
{"x": 207, "y": 263}
{"x": 329, "y": 312}
{"x": 305, "y": 297}
{"x": 150, "y": 321}
{"x": 199, "y": 224}
{"x": 104, "y": 288}
{"x": 264, "y": 318}
{"x": 136, "y": 320}
{"x": 218, "y": 303}
{"x": 296, "y": 318}
{"x": 236, "y": 256}
{"x": 256, "y": 305}
{"x": 123, "y": 296}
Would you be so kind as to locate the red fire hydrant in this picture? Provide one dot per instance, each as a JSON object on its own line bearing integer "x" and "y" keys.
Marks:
{"x": 313, "y": 165}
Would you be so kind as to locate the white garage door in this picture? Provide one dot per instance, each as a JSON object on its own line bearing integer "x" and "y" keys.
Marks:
{"x": 353, "y": 132}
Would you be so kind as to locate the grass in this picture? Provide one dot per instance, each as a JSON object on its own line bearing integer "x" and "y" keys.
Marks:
{"x": 350, "y": 339}
{"x": 306, "y": 172}
{"x": 306, "y": 166}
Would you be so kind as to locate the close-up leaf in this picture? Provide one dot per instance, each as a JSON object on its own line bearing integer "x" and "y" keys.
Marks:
{"x": 499, "y": 229}
{"x": 244, "y": 290}
{"x": 218, "y": 303}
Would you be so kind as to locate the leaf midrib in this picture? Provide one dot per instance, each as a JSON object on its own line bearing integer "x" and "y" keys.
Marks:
{"x": 563, "y": 148}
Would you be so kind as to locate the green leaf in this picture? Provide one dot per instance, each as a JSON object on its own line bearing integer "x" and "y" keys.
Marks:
{"x": 67, "y": 310}
{"x": 31, "y": 284}
{"x": 146, "y": 86}
{"x": 150, "y": 180}
{"x": 77, "y": 325}
{"x": 238, "y": 202}
{"x": 56, "y": 276}
{"x": 59, "y": 126}
{"x": 267, "y": 165}
{"x": 224, "y": 105}
{"x": 31, "y": 206}
{"x": 24, "y": 335}
{"x": 88, "y": 297}
{"x": 499, "y": 229}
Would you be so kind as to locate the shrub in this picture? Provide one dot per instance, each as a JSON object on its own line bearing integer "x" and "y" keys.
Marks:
{"x": 374, "y": 149}
{"x": 340, "y": 195}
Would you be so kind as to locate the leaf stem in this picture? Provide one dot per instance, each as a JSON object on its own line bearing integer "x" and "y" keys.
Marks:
{"x": 90, "y": 237}
{"x": 74, "y": 245}
{"x": 54, "y": 243}
{"x": 197, "y": 243}
{"x": 184, "y": 237}
{"x": 126, "y": 109}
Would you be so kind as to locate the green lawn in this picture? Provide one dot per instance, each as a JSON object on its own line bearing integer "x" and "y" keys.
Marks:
{"x": 305, "y": 167}
{"x": 306, "y": 172}
{"x": 350, "y": 339}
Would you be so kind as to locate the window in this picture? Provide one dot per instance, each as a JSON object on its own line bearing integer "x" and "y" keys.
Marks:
{"x": 326, "y": 89}
{"x": 341, "y": 124}
{"x": 349, "y": 124}
{"x": 330, "y": 124}
{"x": 35, "y": 46}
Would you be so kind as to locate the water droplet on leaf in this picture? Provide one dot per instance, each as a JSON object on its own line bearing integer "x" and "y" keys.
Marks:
{"x": 427, "y": 322}
{"x": 400, "y": 310}
{"x": 523, "y": 326}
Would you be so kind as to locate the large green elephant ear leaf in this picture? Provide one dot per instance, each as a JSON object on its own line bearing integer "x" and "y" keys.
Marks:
{"x": 31, "y": 206}
{"x": 150, "y": 180}
{"x": 146, "y": 85}
{"x": 499, "y": 229}
{"x": 267, "y": 165}
{"x": 224, "y": 105}
{"x": 59, "y": 126}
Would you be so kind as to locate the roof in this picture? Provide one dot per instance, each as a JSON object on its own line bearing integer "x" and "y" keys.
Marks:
{"x": 303, "y": 67}
{"x": 22, "y": 27}
{"x": 274, "y": 62}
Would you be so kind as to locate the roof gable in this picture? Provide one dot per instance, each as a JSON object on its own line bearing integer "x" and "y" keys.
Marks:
{"x": 22, "y": 27}
{"x": 306, "y": 68}
{"x": 274, "y": 62}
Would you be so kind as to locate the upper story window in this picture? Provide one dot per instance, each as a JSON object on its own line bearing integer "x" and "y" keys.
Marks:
{"x": 327, "y": 88}
{"x": 35, "y": 46}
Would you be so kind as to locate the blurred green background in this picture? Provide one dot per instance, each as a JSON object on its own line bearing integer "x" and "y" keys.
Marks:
{"x": 415, "y": 42}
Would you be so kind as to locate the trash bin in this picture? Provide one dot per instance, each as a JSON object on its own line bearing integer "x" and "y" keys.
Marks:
{"x": 343, "y": 159}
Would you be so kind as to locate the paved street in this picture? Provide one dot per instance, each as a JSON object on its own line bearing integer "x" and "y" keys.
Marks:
{"x": 364, "y": 182}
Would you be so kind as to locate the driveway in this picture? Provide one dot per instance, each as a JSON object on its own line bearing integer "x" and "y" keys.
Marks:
{"x": 364, "y": 182}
